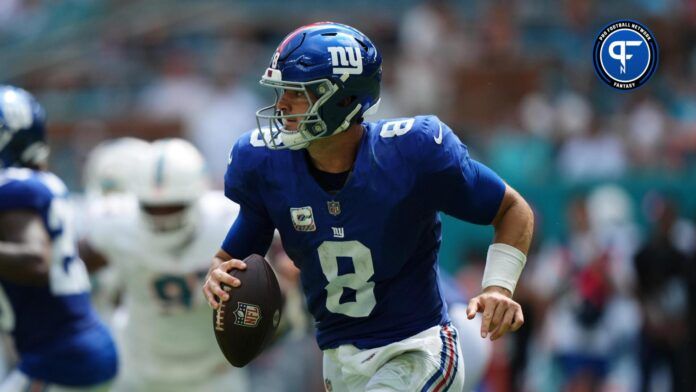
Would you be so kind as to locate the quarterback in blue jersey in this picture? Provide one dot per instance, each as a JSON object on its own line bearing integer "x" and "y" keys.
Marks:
{"x": 356, "y": 204}
{"x": 44, "y": 286}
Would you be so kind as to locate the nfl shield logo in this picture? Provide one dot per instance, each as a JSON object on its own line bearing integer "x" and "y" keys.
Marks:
{"x": 247, "y": 315}
{"x": 334, "y": 207}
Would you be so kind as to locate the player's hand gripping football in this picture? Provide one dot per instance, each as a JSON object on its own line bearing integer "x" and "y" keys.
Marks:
{"x": 500, "y": 313}
{"x": 217, "y": 274}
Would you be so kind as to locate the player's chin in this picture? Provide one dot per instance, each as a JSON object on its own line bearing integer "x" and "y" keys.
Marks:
{"x": 290, "y": 127}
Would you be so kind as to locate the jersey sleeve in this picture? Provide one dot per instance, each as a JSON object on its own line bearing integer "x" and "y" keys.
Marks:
{"x": 249, "y": 234}
{"x": 458, "y": 185}
{"x": 240, "y": 180}
{"x": 25, "y": 194}
{"x": 252, "y": 231}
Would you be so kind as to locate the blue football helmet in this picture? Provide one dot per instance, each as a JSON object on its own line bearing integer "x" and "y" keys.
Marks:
{"x": 22, "y": 129}
{"x": 342, "y": 70}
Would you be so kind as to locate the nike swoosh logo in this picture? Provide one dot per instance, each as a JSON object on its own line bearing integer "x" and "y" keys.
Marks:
{"x": 438, "y": 138}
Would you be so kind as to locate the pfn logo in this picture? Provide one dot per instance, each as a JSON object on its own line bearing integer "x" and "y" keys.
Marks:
{"x": 346, "y": 60}
{"x": 621, "y": 55}
{"x": 625, "y": 54}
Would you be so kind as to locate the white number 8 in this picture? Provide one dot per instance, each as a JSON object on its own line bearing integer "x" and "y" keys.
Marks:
{"x": 361, "y": 257}
{"x": 396, "y": 127}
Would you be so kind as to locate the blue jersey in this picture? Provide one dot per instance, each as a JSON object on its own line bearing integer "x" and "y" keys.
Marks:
{"x": 56, "y": 332}
{"x": 367, "y": 254}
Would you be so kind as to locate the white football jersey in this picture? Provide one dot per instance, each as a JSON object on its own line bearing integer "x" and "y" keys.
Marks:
{"x": 166, "y": 336}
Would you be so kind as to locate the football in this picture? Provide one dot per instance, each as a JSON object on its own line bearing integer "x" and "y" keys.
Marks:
{"x": 246, "y": 323}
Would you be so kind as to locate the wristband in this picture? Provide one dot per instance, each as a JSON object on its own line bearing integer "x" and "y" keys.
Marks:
{"x": 504, "y": 264}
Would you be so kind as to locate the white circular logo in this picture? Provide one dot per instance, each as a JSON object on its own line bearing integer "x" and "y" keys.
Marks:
{"x": 625, "y": 54}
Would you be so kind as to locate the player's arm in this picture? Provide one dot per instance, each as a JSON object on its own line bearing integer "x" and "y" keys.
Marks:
{"x": 252, "y": 230}
{"x": 514, "y": 224}
{"x": 25, "y": 248}
{"x": 251, "y": 233}
{"x": 94, "y": 260}
{"x": 469, "y": 190}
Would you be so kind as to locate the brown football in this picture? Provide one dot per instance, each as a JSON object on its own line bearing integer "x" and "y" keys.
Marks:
{"x": 245, "y": 324}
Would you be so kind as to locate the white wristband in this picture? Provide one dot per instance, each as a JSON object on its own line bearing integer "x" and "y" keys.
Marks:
{"x": 504, "y": 264}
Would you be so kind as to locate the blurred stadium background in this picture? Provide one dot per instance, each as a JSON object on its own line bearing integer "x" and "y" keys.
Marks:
{"x": 609, "y": 289}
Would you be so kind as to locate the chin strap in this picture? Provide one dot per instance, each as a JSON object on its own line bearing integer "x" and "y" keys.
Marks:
{"x": 373, "y": 109}
{"x": 346, "y": 122}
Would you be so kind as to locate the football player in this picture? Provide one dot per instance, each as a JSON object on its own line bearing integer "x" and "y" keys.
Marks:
{"x": 159, "y": 243}
{"x": 107, "y": 178}
{"x": 44, "y": 286}
{"x": 356, "y": 204}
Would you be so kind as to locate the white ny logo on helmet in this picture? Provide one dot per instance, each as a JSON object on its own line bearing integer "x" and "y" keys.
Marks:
{"x": 346, "y": 60}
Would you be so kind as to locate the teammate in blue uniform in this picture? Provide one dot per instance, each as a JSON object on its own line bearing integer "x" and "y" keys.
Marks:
{"x": 357, "y": 206}
{"x": 44, "y": 286}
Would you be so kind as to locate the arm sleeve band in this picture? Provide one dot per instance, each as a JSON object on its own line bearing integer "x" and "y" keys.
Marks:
{"x": 504, "y": 264}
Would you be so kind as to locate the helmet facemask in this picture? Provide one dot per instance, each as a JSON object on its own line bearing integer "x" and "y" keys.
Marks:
{"x": 310, "y": 126}
{"x": 171, "y": 226}
{"x": 169, "y": 186}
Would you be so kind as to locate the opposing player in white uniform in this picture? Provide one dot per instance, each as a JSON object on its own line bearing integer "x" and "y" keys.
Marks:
{"x": 107, "y": 179}
{"x": 159, "y": 241}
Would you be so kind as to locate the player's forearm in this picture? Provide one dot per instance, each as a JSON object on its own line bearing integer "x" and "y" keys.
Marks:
{"x": 506, "y": 257}
{"x": 515, "y": 224}
{"x": 23, "y": 264}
